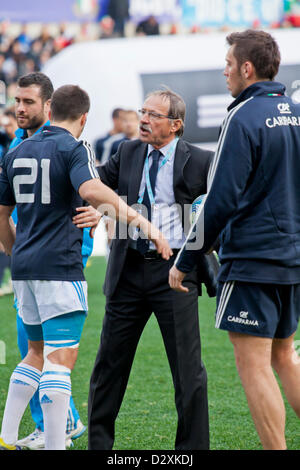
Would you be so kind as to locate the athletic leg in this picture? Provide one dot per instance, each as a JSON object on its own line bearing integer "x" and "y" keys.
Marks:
{"x": 25, "y": 379}
{"x": 23, "y": 384}
{"x": 35, "y": 407}
{"x": 253, "y": 360}
{"x": 61, "y": 335}
{"x": 286, "y": 362}
{"x": 55, "y": 392}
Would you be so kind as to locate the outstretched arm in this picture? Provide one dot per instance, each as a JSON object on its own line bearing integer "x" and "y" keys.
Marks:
{"x": 107, "y": 202}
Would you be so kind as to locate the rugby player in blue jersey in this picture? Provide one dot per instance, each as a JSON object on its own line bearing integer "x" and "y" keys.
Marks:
{"x": 32, "y": 106}
{"x": 47, "y": 176}
{"x": 252, "y": 205}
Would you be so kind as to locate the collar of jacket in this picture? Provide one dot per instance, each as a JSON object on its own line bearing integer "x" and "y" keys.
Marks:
{"x": 258, "y": 88}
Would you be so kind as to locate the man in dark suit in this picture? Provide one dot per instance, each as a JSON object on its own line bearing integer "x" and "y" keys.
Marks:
{"x": 156, "y": 171}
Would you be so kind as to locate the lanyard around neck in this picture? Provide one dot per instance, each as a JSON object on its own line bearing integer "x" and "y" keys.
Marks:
{"x": 147, "y": 176}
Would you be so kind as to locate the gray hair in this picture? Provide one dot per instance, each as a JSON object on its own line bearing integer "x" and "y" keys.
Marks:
{"x": 176, "y": 105}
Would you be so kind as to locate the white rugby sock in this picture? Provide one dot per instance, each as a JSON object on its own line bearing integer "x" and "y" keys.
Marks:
{"x": 55, "y": 412}
{"x": 55, "y": 392}
{"x": 24, "y": 382}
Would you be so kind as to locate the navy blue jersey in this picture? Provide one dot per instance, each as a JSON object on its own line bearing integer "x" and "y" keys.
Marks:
{"x": 42, "y": 176}
{"x": 253, "y": 196}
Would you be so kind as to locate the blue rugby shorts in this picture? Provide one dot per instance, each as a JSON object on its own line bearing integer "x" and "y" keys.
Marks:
{"x": 266, "y": 310}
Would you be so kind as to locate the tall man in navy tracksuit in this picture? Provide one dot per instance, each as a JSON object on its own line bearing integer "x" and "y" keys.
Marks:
{"x": 253, "y": 207}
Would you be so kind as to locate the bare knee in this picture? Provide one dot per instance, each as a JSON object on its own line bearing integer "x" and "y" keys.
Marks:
{"x": 283, "y": 352}
{"x": 64, "y": 356}
{"x": 251, "y": 352}
{"x": 34, "y": 356}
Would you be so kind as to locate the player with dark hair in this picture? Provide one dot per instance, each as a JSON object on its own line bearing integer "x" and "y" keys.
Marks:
{"x": 47, "y": 176}
{"x": 253, "y": 207}
{"x": 32, "y": 104}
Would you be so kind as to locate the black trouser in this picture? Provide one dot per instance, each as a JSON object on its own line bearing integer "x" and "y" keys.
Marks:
{"x": 143, "y": 288}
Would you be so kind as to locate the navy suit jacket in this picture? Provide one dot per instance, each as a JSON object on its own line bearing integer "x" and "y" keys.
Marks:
{"x": 123, "y": 173}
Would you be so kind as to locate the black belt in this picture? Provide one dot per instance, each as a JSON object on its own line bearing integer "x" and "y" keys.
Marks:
{"x": 151, "y": 254}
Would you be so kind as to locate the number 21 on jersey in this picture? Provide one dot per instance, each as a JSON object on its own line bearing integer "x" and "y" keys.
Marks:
{"x": 31, "y": 179}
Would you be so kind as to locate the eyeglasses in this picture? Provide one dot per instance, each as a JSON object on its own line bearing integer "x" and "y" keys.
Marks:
{"x": 153, "y": 116}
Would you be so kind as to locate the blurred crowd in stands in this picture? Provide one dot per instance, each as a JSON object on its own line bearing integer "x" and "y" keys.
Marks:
{"x": 26, "y": 48}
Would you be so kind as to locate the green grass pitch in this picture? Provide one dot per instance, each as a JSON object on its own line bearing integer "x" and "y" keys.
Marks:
{"x": 147, "y": 419}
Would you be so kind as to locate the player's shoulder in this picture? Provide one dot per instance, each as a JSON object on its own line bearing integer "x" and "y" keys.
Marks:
{"x": 85, "y": 147}
{"x": 85, "y": 144}
{"x": 244, "y": 117}
{"x": 244, "y": 109}
{"x": 12, "y": 151}
{"x": 81, "y": 151}
{"x": 65, "y": 143}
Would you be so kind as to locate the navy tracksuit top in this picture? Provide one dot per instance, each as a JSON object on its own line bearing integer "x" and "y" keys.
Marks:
{"x": 253, "y": 200}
